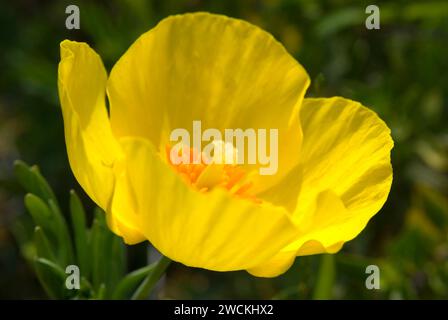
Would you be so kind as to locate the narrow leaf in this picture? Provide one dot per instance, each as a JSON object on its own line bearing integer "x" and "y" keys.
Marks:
{"x": 80, "y": 232}
{"x": 22, "y": 230}
{"x": 43, "y": 247}
{"x": 40, "y": 212}
{"x": 31, "y": 179}
{"x": 51, "y": 277}
{"x": 118, "y": 256}
{"x": 151, "y": 279}
{"x": 65, "y": 249}
{"x": 131, "y": 281}
{"x": 99, "y": 251}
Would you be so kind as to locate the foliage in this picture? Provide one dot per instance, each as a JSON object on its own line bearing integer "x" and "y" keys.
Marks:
{"x": 96, "y": 251}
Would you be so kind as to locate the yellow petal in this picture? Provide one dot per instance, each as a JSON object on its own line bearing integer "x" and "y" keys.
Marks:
{"x": 214, "y": 230}
{"x": 347, "y": 175}
{"x": 330, "y": 227}
{"x": 275, "y": 266}
{"x": 283, "y": 260}
{"x": 346, "y": 149}
{"x": 224, "y": 72}
{"x": 91, "y": 147}
{"x": 285, "y": 192}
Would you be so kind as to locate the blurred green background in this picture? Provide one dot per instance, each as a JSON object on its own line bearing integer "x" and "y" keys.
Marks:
{"x": 400, "y": 71}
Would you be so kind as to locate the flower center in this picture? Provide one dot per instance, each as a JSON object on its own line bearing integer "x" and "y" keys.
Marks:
{"x": 206, "y": 174}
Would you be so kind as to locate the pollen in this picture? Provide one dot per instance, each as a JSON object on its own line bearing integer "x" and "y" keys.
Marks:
{"x": 205, "y": 175}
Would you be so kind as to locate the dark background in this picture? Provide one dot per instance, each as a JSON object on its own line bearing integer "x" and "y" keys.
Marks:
{"x": 400, "y": 71}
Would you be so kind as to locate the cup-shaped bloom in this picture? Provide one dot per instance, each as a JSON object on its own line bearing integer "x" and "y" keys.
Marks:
{"x": 333, "y": 174}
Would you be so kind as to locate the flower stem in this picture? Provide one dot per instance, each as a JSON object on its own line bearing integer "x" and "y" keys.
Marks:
{"x": 151, "y": 280}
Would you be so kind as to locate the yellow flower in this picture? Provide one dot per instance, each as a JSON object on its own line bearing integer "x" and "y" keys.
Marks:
{"x": 334, "y": 170}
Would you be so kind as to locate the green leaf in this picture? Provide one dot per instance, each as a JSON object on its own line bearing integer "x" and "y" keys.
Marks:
{"x": 81, "y": 233}
{"x": 326, "y": 278}
{"x": 97, "y": 253}
{"x": 31, "y": 179}
{"x": 51, "y": 276}
{"x": 40, "y": 212}
{"x": 44, "y": 217}
{"x": 151, "y": 279}
{"x": 118, "y": 256}
{"x": 101, "y": 243}
{"x": 43, "y": 247}
{"x": 106, "y": 247}
{"x": 46, "y": 214}
{"x": 50, "y": 219}
{"x": 65, "y": 249}
{"x": 23, "y": 230}
{"x": 130, "y": 282}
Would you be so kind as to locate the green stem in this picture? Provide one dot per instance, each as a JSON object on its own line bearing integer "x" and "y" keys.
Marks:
{"x": 326, "y": 278}
{"x": 151, "y": 280}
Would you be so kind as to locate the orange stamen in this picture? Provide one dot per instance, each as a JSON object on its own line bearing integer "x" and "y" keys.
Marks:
{"x": 231, "y": 178}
